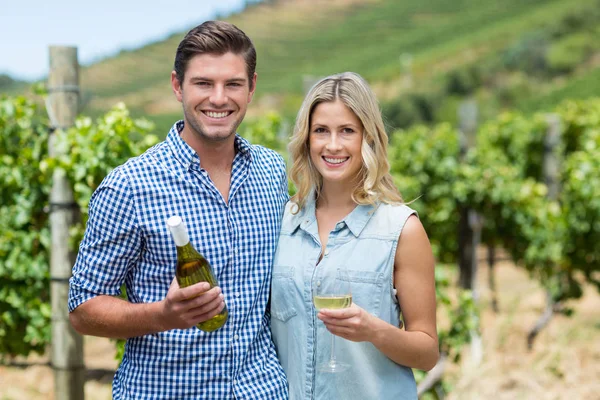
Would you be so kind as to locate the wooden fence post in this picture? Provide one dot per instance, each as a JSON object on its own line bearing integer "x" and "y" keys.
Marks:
{"x": 551, "y": 170}
{"x": 470, "y": 224}
{"x": 491, "y": 260}
{"x": 67, "y": 345}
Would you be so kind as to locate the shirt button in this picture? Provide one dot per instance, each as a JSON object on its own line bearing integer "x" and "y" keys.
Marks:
{"x": 326, "y": 252}
{"x": 318, "y": 283}
{"x": 235, "y": 337}
{"x": 237, "y": 294}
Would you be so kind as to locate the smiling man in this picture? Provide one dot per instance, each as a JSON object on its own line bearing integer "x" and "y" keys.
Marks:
{"x": 231, "y": 195}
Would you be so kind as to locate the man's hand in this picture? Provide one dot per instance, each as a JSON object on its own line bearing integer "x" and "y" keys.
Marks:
{"x": 186, "y": 307}
{"x": 352, "y": 323}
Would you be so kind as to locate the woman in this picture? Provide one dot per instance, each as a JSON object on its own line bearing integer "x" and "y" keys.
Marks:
{"x": 347, "y": 221}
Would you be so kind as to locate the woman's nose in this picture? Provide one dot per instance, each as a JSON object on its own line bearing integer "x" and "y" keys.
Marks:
{"x": 334, "y": 142}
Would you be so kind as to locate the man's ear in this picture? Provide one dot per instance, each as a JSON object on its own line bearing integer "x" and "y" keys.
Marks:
{"x": 176, "y": 86}
{"x": 252, "y": 87}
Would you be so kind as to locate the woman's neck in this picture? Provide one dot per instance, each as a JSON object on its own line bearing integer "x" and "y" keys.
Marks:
{"x": 336, "y": 199}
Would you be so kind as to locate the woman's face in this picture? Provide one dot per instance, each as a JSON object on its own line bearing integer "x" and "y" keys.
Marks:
{"x": 335, "y": 142}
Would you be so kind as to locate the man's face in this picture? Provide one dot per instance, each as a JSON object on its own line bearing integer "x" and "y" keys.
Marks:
{"x": 215, "y": 95}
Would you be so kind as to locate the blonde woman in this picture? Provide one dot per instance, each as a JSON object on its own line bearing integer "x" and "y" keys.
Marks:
{"x": 347, "y": 216}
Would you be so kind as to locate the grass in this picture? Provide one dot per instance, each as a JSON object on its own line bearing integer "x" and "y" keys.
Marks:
{"x": 314, "y": 38}
{"x": 296, "y": 39}
{"x": 580, "y": 87}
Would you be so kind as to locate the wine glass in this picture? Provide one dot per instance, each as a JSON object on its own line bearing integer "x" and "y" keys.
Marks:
{"x": 332, "y": 294}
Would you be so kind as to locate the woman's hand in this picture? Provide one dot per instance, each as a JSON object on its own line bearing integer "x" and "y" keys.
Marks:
{"x": 352, "y": 323}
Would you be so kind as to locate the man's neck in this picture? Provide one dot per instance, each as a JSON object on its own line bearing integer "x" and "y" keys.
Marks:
{"x": 214, "y": 155}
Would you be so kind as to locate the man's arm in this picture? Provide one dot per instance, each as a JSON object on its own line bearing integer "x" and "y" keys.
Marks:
{"x": 113, "y": 317}
{"x": 112, "y": 244}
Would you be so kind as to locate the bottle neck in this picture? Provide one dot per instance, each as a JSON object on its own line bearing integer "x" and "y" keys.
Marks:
{"x": 188, "y": 252}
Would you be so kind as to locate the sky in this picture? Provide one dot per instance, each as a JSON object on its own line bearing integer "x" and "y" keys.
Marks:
{"x": 98, "y": 28}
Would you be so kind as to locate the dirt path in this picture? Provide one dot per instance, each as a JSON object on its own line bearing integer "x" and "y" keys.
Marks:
{"x": 564, "y": 364}
{"x": 31, "y": 378}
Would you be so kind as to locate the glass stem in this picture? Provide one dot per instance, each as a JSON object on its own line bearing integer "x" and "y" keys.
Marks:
{"x": 332, "y": 356}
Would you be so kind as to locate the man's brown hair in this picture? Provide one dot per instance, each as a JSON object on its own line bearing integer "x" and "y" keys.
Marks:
{"x": 215, "y": 37}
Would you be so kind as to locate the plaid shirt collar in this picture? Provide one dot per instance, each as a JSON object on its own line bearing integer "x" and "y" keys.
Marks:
{"x": 188, "y": 157}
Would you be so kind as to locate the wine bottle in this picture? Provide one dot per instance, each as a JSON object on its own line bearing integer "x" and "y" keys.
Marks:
{"x": 192, "y": 268}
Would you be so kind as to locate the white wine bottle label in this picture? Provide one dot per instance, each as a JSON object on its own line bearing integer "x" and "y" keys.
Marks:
{"x": 177, "y": 228}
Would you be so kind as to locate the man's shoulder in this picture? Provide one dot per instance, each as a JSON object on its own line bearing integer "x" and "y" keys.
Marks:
{"x": 132, "y": 168}
{"x": 267, "y": 156}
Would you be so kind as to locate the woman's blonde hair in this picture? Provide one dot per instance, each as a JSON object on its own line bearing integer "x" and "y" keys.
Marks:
{"x": 376, "y": 183}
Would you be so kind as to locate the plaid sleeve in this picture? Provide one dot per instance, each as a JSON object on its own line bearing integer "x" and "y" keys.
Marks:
{"x": 284, "y": 185}
{"x": 110, "y": 246}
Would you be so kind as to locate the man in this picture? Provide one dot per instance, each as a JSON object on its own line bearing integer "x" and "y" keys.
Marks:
{"x": 231, "y": 196}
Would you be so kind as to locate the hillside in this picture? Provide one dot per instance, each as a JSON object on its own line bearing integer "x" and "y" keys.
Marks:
{"x": 402, "y": 47}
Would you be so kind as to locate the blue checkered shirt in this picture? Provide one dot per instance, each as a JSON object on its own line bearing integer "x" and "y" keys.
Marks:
{"x": 127, "y": 241}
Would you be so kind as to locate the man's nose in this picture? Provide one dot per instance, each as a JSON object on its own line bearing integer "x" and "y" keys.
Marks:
{"x": 218, "y": 96}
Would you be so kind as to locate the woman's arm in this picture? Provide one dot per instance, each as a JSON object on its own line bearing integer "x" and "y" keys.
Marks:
{"x": 417, "y": 345}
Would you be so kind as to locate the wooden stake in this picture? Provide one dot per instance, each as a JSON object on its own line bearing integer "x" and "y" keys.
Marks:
{"x": 67, "y": 345}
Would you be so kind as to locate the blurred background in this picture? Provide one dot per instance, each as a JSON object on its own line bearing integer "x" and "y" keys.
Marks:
{"x": 494, "y": 127}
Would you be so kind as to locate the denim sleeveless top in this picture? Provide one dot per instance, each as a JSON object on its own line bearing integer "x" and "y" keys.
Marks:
{"x": 364, "y": 245}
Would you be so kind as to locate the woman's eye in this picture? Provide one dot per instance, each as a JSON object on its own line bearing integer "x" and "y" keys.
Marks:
{"x": 348, "y": 130}
{"x": 319, "y": 130}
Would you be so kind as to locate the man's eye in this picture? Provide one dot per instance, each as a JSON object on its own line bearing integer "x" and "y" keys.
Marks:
{"x": 235, "y": 84}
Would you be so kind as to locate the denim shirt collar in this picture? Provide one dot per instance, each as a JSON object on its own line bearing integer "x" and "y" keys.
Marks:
{"x": 306, "y": 219}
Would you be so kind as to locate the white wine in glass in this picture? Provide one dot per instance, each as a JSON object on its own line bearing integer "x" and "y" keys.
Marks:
{"x": 332, "y": 302}
{"x": 333, "y": 296}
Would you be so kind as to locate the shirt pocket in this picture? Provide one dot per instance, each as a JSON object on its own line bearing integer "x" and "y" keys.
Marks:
{"x": 366, "y": 287}
{"x": 282, "y": 294}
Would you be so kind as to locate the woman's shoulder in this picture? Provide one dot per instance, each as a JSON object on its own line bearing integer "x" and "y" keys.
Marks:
{"x": 394, "y": 212}
{"x": 389, "y": 219}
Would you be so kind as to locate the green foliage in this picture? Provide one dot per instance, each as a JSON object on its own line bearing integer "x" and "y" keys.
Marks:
{"x": 460, "y": 312}
{"x": 553, "y": 239}
{"x": 91, "y": 151}
{"x": 524, "y": 70}
{"x": 458, "y": 318}
{"x": 581, "y": 190}
{"x": 410, "y": 109}
{"x": 267, "y": 131}
{"x": 503, "y": 180}
{"x": 464, "y": 81}
{"x": 24, "y": 235}
{"x": 424, "y": 164}
{"x": 439, "y": 36}
{"x": 528, "y": 54}
{"x": 566, "y": 54}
